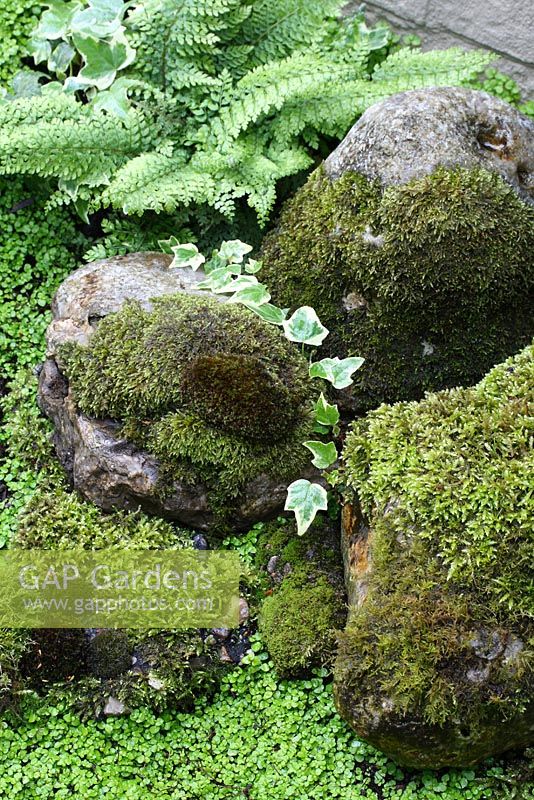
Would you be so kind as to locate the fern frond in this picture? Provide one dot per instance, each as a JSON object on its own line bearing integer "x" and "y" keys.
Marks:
{"x": 48, "y": 139}
{"x": 276, "y": 29}
{"x": 158, "y": 182}
{"x": 408, "y": 69}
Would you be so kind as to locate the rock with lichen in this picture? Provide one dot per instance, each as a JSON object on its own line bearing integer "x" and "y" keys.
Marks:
{"x": 170, "y": 400}
{"x": 435, "y": 666}
{"x": 414, "y": 242}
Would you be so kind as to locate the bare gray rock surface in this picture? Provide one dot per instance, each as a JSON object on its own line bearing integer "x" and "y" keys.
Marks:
{"x": 410, "y": 134}
{"x": 104, "y": 467}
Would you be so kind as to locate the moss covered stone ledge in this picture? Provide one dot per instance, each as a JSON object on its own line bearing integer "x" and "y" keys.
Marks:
{"x": 170, "y": 400}
{"x": 436, "y": 664}
{"x": 414, "y": 242}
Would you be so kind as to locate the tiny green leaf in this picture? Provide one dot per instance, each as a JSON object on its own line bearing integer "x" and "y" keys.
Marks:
{"x": 305, "y": 499}
{"x": 305, "y": 326}
{"x": 324, "y": 455}
{"x": 336, "y": 370}
{"x": 233, "y": 251}
{"x": 187, "y": 255}
{"x": 325, "y": 413}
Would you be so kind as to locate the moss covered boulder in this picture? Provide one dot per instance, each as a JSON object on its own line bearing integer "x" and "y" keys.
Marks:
{"x": 190, "y": 408}
{"x": 414, "y": 242}
{"x": 436, "y": 665}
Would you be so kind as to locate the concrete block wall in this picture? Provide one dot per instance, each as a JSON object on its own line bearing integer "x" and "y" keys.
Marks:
{"x": 504, "y": 26}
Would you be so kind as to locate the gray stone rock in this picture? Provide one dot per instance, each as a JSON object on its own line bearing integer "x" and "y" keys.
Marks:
{"x": 410, "y": 134}
{"x": 114, "y": 707}
{"x": 104, "y": 467}
{"x": 100, "y": 288}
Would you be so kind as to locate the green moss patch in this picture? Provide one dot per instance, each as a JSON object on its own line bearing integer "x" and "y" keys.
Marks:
{"x": 430, "y": 281}
{"x": 300, "y": 619}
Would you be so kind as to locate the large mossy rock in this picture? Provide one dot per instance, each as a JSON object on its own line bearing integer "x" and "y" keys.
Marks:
{"x": 436, "y": 664}
{"x": 170, "y": 400}
{"x": 414, "y": 242}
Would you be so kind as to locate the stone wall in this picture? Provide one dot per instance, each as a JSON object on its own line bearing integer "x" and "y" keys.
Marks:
{"x": 504, "y": 26}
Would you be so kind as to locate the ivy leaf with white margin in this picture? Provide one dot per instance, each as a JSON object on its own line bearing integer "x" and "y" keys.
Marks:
{"x": 217, "y": 280}
{"x": 252, "y": 266}
{"x": 305, "y": 499}
{"x": 336, "y": 370}
{"x": 102, "y": 18}
{"x": 187, "y": 255}
{"x": 324, "y": 455}
{"x": 103, "y": 59}
{"x": 115, "y": 101}
{"x": 270, "y": 313}
{"x": 61, "y": 58}
{"x": 40, "y": 49}
{"x": 55, "y": 22}
{"x": 236, "y": 284}
{"x": 252, "y": 296}
{"x": 305, "y": 326}
{"x": 325, "y": 413}
{"x": 233, "y": 251}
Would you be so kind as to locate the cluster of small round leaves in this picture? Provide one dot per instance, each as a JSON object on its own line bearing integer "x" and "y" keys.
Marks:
{"x": 260, "y": 738}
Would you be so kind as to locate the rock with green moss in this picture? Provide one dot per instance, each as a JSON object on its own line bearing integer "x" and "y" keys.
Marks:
{"x": 300, "y": 619}
{"x": 414, "y": 242}
{"x": 192, "y": 409}
{"x": 436, "y": 664}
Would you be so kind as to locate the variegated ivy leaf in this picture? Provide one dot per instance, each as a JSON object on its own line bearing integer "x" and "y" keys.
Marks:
{"x": 55, "y": 22}
{"x": 61, "y": 57}
{"x": 252, "y": 266}
{"x": 167, "y": 244}
{"x": 305, "y": 499}
{"x": 26, "y": 83}
{"x": 237, "y": 284}
{"x": 102, "y": 60}
{"x": 336, "y": 370}
{"x": 304, "y": 326}
{"x": 187, "y": 255}
{"x": 325, "y": 413}
{"x": 324, "y": 455}
{"x": 270, "y": 313}
{"x": 251, "y": 296}
{"x": 115, "y": 101}
{"x": 40, "y": 49}
{"x": 99, "y": 20}
{"x": 217, "y": 280}
{"x": 233, "y": 251}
